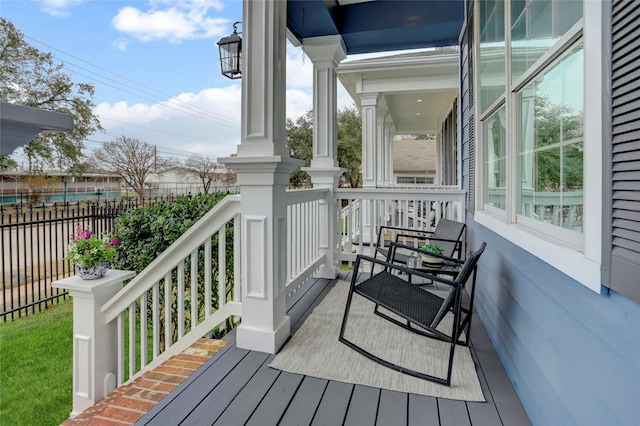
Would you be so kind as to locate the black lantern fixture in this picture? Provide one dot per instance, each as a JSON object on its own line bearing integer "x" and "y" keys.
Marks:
{"x": 231, "y": 54}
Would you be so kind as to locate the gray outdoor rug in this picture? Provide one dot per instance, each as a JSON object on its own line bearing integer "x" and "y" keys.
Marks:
{"x": 315, "y": 351}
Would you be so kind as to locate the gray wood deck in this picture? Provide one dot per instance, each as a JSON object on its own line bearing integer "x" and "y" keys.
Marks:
{"x": 237, "y": 387}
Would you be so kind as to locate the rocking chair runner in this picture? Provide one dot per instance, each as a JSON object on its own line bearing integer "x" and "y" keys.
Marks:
{"x": 422, "y": 309}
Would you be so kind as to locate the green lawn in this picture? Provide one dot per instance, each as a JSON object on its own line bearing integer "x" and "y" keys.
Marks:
{"x": 36, "y": 368}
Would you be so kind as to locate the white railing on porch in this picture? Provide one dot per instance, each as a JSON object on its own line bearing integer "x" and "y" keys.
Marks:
{"x": 303, "y": 235}
{"x": 199, "y": 275}
{"x": 362, "y": 211}
{"x": 202, "y": 281}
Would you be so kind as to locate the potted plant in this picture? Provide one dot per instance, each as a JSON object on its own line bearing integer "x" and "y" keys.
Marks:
{"x": 91, "y": 255}
{"x": 428, "y": 250}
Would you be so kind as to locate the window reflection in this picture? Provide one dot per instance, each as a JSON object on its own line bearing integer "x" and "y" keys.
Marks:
{"x": 550, "y": 136}
{"x": 492, "y": 52}
{"x": 495, "y": 161}
{"x": 536, "y": 26}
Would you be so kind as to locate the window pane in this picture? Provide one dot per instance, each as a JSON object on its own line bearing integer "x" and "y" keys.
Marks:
{"x": 495, "y": 165}
{"x": 536, "y": 26}
{"x": 550, "y": 151}
{"x": 492, "y": 52}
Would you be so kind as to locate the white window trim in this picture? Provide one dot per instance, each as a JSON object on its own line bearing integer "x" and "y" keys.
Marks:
{"x": 580, "y": 263}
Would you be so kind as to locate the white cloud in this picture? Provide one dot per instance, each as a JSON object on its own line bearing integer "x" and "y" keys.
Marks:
{"x": 196, "y": 123}
{"x": 172, "y": 20}
{"x": 59, "y": 7}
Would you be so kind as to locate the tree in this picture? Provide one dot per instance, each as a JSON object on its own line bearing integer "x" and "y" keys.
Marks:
{"x": 30, "y": 77}
{"x": 7, "y": 163}
{"x": 300, "y": 143}
{"x": 350, "y": 146}
{"x": 205, "y": 169}
{"x": 132, "y": 160}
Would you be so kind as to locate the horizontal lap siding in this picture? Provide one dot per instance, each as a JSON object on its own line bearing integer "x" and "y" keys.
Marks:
{"x": 624, "y": 250}
{"x": 572, "y": 354}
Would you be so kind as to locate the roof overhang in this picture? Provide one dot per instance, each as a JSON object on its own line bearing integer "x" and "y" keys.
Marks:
{"x": 378, "y": 25}
{"x": 20, "y": 124}
{"x": 416, "y": 89}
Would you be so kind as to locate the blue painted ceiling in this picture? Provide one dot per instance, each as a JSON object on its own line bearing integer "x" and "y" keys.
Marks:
{"x": 380, "y": 25}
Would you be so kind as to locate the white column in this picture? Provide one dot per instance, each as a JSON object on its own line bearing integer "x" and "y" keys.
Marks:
{"x": 326, "y": 53}
{"x": 369, "y": 106}
{"x": 389, "y": 133}
{"x": 381, "y": 164}
{"x": 263, "y": 167}
{"x": 94, "y": 342}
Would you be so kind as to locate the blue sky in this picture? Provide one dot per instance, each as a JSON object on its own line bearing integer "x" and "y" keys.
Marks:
{"x": 155, "y": 67}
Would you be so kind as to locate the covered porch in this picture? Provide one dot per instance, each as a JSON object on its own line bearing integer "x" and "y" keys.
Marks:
{"x": 271, "y": 254}
{"x": 237, "y": 386}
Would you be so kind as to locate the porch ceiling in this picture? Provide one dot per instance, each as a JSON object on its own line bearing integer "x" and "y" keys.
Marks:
{"x": 417, "y": 89}
{"x": 378, "y": 26}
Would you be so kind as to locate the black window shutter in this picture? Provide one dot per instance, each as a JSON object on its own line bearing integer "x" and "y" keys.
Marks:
{"x": 621, "y": 256}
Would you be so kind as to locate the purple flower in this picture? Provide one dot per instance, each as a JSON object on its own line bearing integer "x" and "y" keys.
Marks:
{"x": 115, "y": 242}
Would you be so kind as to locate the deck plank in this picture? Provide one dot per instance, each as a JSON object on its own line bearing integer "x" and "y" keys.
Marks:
{"x": 273, "y": 405}
{"x": 453, "y": 412}
{"x": 305, "y": 402}
{"x": 245, "y": 403}
{"x": 210, "y": 407}
{"x": 423, "y": 411}
{"x": 392, "y": 409}
{"x": 363, "y": 407}
{"x": 334, "y": 404}
{"x": 179, "y": 403}
{"x": 482, "y": 413}
{"x": 503, "y": 394}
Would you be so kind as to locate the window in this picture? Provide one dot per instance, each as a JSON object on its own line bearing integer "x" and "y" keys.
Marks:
{"x": 540, "y": 142}
{"x": 492, "y": 52}
{"x": 413, "y": 180}
{"x": 540, "y": 137}
{"x": 536, "y": 25}
{"x": 495, "y": 160}
{"x": 550, "y": 138}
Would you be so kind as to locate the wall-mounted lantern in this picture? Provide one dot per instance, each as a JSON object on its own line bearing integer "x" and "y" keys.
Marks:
{"x": 231, "y": 54}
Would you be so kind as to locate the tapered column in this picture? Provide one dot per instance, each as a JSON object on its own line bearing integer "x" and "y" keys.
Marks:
{"x": 263, "y": 167}
{"x": 326, "y": 53}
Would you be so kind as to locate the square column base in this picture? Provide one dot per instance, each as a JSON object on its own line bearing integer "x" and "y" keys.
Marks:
{"x": 263, "y": 340}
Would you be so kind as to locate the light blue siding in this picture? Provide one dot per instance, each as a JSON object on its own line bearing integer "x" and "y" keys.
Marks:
{"x": 572, "y": 355}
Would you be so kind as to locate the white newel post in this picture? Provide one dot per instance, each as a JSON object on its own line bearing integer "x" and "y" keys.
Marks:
{"x": 94, "y": 341}
{"x": 263, "y": 167}
{"x": 326, "y": 53}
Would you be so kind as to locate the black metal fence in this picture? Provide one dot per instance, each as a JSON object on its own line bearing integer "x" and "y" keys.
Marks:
{"x": 34, "y": 241}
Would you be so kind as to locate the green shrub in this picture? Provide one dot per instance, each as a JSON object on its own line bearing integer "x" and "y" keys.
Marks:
{"x": 145, "y": 232}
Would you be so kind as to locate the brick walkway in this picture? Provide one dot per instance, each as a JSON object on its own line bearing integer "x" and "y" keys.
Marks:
{"x": 125, "y": 405}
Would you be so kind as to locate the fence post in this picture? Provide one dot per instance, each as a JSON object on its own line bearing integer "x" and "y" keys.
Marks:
{"x": 94, "y": 342}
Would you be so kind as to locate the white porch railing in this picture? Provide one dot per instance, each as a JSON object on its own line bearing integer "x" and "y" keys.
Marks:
{"x": 363, "y": 211}
{"x": 303, "y": 230}
{"x": 198, "y": 278}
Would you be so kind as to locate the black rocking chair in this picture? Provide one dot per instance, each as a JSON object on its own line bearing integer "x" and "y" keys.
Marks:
{"x": 420, "y": 308}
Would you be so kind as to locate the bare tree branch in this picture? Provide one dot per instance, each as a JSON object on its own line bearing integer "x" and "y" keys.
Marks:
{"x": 131, "y": 159}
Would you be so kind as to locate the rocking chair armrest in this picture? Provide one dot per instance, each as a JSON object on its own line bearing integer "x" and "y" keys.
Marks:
{"x": 389, "y": 265}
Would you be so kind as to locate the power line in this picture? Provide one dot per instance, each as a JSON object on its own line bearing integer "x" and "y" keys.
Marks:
{"x": 167, "y": 98}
